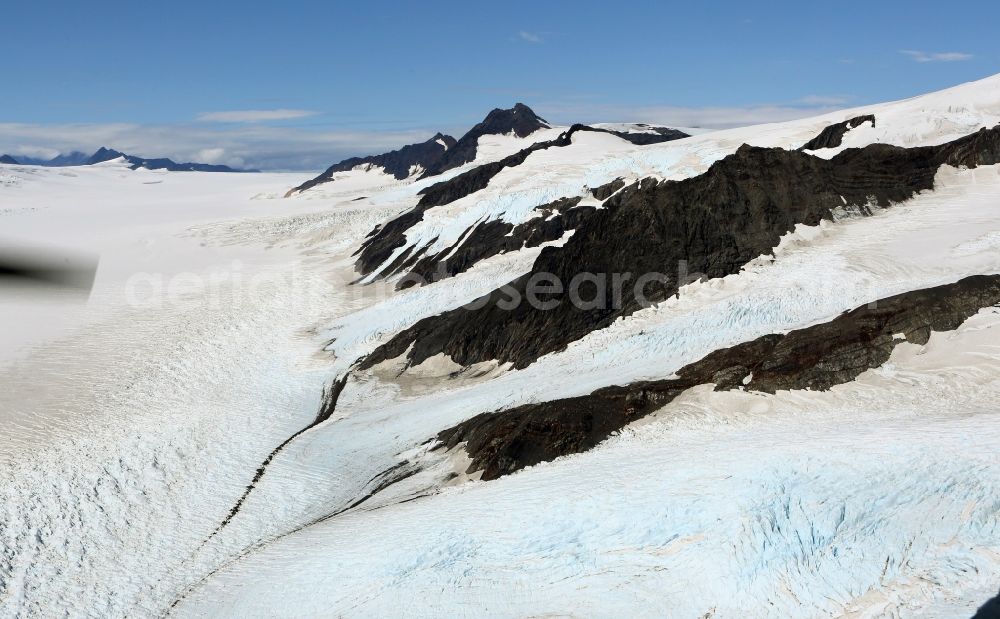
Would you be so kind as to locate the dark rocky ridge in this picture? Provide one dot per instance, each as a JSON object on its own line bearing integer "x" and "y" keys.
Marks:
{"x": 713, "y": 223}
{"x": 8, "y": 160}
{"x": 69, "y": 159}
{"x": 107, "y": 154}
{"x": 490, "y": 238}
{"x": 434, "y": 158}
{"x": 833, "y": 136}
{"x": 520, "y": 120}
{"x": 396, "y": 162}
{"x": 606, "y": 190}
{"x": 384, "y": 240}
{"x": 817, "y": 358}
{"x": 479, "y": 177}
{"x": 653, "y": 135}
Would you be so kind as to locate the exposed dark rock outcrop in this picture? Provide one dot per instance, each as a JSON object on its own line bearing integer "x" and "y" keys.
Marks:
{"x": 384, "y": 240}
{"x": 650, "y": 135}
{"x": 604, "y": 191}
{"x": 817, "y": 358}
{"x": 8, "y": 160}
{"x": 989, "y": 610}
{"x": 832, "y": 136}
{"x": 490, "y": 238}
{"x": 519, "y": 120}
{"x": 713, "y": 223}
{"x": 479, "y": 177}
{"x": 397, "y": 162}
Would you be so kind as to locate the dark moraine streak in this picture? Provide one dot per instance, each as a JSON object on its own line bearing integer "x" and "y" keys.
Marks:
{"x": 327, "y": 408}
{"x": 833, "y": 136}
{"x": 396, "y": 162}
{"x": 383, "y": 241}
{"x": 817, "y": 358}
{"x": 716, "y": 222}
{"x": 495, "y": 237}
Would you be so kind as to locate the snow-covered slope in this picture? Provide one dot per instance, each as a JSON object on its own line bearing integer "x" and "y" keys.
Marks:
{"x": 135, "y": 429}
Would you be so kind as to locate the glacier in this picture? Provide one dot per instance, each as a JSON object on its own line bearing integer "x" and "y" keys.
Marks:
{"x": 132, "y": 429}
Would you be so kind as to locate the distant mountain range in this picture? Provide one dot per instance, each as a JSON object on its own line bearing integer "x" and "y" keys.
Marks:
{"x": 103, "y": 154}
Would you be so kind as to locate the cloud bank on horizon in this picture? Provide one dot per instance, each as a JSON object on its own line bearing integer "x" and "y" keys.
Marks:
{"x": 300, "y": 87}
{"x": 244, "y": 139}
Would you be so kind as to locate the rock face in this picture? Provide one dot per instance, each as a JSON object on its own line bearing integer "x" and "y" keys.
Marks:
{"x": 833, "y": 136}
{"x": 399, "y": 163}
{"x": 989, "y": 610}
{"x": 519, "y": 120}
{"x": 8, "y": 160}
{"x": 383, "y": 241}
{"x": 817, "y": 358}
{"x": 490, "y": 238}
{"x": 713, "y": 224}
{"x": 652, "y": 135}
{"x": 605, "y": 191}
{"x": 479, "y": 177}
{"x": 441, "y": 152}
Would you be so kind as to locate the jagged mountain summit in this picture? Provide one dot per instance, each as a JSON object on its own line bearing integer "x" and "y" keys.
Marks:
{"x": 103, "y": 154}
{"x": 8, "y": 160}
{"x": 441, "y": 152}
{"x": 519, "y": 120}
{"x": 524, "y": 128}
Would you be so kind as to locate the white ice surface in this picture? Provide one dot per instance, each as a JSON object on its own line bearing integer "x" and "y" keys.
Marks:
{"x": 131, "y": 431}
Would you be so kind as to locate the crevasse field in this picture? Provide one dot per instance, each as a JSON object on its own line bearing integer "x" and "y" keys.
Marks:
{"x": 133, "y": 420}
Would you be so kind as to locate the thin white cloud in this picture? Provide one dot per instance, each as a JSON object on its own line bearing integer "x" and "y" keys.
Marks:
{"x": 920, "y": 56}
{"x": 253, "y": 116}
{"x": 821, "y": 100}
{"x": 710, "y": 117}
{"x": 314, "y": 148}
{"x": 530, "y": 37}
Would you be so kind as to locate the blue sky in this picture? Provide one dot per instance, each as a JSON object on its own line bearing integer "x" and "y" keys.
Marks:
{"x": 300, "y": 84}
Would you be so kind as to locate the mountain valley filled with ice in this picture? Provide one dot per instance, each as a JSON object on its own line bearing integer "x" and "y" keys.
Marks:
{"x": 174, "y": 444}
